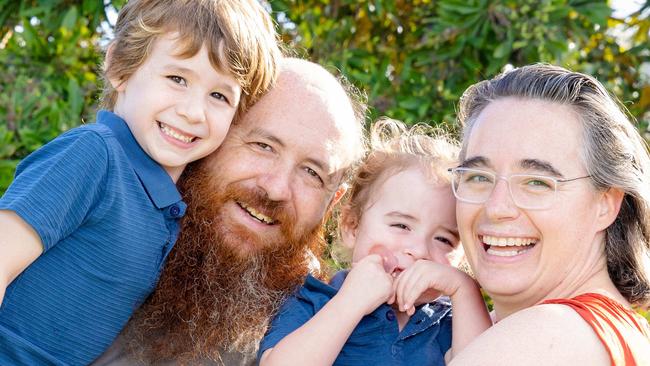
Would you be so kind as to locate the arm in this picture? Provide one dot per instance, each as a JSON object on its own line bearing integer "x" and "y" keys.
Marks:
{"x": 539, "y": 335}
{"x": 47, "y": 201}
{"x": 320, "y": 340}
{"x": 19, "y": 247}
{"x": 425, "y": 280}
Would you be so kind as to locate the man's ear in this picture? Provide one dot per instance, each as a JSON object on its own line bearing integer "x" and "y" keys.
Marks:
{"x": 117, "y": 84}
{"x": 349, "y": 224}
{"x": 609, "y": 207}
{"x": 340, "y": 192}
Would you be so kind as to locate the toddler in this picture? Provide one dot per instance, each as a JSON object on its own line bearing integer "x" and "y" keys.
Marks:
{"x": 400, "y": 222}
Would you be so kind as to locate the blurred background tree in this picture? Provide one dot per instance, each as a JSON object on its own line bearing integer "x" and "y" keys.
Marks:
{"x": 413, "y": 58}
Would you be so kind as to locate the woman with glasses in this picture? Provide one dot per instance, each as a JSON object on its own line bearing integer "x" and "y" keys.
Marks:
{"x": 553, "y": 209}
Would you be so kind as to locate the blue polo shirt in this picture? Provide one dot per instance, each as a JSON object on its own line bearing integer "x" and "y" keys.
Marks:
{"x": 107, "y": 215}
{"x": 376, "y": 340}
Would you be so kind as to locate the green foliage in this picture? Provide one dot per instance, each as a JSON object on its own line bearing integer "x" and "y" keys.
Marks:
{"x": 415, "y": 58}
{"x": 50, "y": 60}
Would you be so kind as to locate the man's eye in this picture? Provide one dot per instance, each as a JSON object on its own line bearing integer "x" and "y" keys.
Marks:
{"x": 220, "y": 96}
{"x": 264, "y": 146}
{"x": 177, "y": 79}
{"x": 314, "y": 174}
{"x": 400, "y": 226}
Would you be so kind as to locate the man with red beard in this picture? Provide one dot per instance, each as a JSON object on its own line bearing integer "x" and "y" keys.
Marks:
{"x": 253, "y": 228}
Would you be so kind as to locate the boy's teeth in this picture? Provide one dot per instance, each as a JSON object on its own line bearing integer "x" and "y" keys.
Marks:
{"x": 256, "y": 214}
{"x": 173, "y": 133}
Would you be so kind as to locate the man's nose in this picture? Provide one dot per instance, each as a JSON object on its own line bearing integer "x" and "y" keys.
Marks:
{"x": 192, "y": 107}
{"x": 500, "y": 204}
{"x": 276, "y": 182}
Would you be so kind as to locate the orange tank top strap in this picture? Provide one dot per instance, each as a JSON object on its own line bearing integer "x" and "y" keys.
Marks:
{"x": 611, "y": 321}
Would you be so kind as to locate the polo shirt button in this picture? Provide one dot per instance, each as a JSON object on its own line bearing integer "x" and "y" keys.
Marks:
{"x": 174, "y": 210}
{"x": 390, "y": 315}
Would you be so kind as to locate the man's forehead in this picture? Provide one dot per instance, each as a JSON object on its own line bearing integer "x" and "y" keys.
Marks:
{"x": 305, "y": 114}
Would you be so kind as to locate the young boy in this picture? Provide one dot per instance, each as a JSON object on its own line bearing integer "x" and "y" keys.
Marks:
{"x": 400, "y": 222}
{"x": 90, "y": 218}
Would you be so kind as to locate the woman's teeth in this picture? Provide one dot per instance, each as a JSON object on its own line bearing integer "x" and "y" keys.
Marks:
{"x": 507, "y": 246}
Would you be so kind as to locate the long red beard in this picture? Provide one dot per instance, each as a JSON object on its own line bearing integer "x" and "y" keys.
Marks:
{"x": 221, "y": 283}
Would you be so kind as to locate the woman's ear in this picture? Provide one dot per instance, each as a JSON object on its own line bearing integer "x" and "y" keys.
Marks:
{"x": 609, "y": 206}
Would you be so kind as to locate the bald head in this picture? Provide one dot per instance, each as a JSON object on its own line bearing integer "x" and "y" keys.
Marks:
{"x": 302, "y": 84}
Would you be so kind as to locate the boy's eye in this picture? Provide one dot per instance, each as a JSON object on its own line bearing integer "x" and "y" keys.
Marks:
{"x": 400, "y": 226}
{"x": 220, "y": 96}
{"x": 177, "y": 79}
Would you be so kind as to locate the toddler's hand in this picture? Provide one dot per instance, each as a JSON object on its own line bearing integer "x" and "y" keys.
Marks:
{"x": 424, "y": 282}
{"x": 368, "y": 285}
{"x": 389, "y": 260}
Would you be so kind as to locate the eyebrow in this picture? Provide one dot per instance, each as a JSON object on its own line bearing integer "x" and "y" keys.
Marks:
{"x": 475, "y": 162}
{"x": 261, "y": 132}
{"x": 527, "y": 164}
{"x": 402, "y": 215}
{"x": 541, "y": 165}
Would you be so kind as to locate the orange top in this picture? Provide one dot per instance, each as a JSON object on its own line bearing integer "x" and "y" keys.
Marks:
{"x": 611, "y": 321}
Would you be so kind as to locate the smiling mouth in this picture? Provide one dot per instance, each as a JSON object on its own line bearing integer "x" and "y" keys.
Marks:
{"x": 176, "y": 134}
{"x": 507, "y": 246}
{"x": 396, "y": 272}
{"x": 256, "y": 214}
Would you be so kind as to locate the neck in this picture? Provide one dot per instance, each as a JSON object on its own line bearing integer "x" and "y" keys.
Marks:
{"x": 600, "y": 284}
{"x": 589, "y": 277}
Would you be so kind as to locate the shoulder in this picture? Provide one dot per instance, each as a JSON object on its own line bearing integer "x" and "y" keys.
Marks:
{"x": 315, "y": 288}
{"x": 539, "y": 335}
{"x": 313, "y": 294}
{"x": 84, "y": 144}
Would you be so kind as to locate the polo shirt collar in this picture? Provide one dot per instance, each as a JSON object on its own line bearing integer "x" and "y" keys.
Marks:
{"x": 159, "y": 185}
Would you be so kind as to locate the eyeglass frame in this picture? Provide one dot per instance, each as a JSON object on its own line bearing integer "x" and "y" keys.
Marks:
{"x": 497, "y": 177}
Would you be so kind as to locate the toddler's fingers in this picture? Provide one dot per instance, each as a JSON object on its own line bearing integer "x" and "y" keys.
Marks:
{"x": 412, "y": 291}
{"x": 391, "y": 300}
{"x": 403, "y": 283}
{"x": 389, "y": 260}
{"x": 410, "y": 311}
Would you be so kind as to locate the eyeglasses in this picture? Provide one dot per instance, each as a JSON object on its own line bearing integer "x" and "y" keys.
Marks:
{"x": 531, "y": 192}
